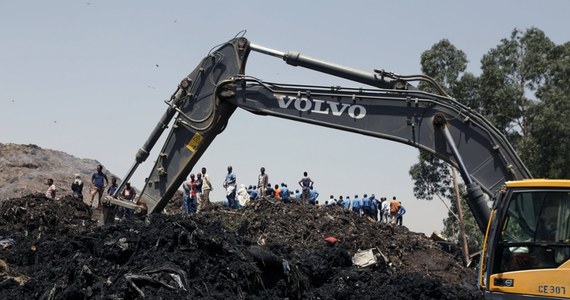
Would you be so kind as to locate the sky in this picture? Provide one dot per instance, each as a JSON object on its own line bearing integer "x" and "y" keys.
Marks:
{"x": 90, "y": 78}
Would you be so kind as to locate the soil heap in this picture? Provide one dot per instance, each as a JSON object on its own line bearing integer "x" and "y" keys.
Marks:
{"x": 54, "y": 250}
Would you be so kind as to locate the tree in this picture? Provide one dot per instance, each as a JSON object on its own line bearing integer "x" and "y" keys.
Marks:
{"x": 432, "y": 177}
{"x": 512, "y": 73}
{"x": 547, "y": 145}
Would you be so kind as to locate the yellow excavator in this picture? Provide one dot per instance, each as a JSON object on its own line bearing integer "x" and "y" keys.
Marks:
{"x": 526, "y": 223}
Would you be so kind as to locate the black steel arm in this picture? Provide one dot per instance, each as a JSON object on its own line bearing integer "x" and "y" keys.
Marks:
{"x": 391, "y": 109}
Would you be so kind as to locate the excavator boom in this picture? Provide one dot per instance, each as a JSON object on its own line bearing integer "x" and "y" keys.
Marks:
{"x": 390, "y": 109}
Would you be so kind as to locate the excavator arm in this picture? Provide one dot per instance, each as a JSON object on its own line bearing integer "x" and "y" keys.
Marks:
{"x": 390, "y": 108}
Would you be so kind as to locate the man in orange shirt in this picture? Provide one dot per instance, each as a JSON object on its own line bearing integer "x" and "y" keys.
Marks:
{"x": 394, "y": 208}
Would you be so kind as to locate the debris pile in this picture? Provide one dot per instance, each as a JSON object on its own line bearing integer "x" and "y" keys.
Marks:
{"x": 55, "y": 250}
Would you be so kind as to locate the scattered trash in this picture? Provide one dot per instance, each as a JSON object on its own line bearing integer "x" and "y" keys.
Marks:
{"x": 7, "y": 242}
{"x": 364, "y": 258}
{"x": 331, "y": 240}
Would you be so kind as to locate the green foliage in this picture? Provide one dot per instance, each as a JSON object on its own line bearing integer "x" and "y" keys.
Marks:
{"x": 513, "y": 72}
{"x": 431, "y": 177}
{"x": 524, "y": 90}
{"x": 447, "y": 65}
{"x": 444, "y": 63}
{"x": 547, "y": 146}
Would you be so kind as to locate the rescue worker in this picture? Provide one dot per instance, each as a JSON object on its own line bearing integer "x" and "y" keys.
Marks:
{"x": 285, "y": 196}
{"x": 367, "y": 206}
{"x": 400, "y": 214}
{"x": 356, "y": 206}
{"x": 313, "y": 195}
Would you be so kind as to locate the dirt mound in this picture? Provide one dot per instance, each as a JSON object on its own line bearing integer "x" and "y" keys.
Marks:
{"x": 52, "y": 250}
{"x": 24, "y": 170}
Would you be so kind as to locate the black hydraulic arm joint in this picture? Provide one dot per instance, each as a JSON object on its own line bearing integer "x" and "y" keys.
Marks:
{"x": 476, "y": 198}
{"x": 295, "y": 58}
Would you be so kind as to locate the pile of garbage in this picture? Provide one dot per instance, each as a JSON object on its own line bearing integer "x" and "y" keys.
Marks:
{"x": 55, "y": 250}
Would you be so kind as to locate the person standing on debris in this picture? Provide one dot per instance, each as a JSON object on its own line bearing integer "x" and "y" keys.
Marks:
{"x": 198, "y": 191}
{"x": 99, "y": 182}
{"x": 113, "y": 187}
{"x": 375, "y": 206}
{"x": 366, "y": 206}
{"x": 331, "y": 201}
{"x": 285, "y": 196}
{"x": 347, "y": 202}
{"x": 77, "y": 187}
{"x": 253, "y": 195}
{"x": 400, "y": 214}
{"x": 313, "y": 195}
{"x": 242, "y": 196}
{"x": 230, "y": 186}
{"x": 206, "y": 189}
{"x": 269, "y": 191}
{"x": 51, "y": 191}
{"x": 192, "y": 207}
{"x": 356, "y": 205}
{"x": 277, "y": 192}
{"x": 385, "y": 211}
{"x": 306, "y": 183}
{"x": 262, "y": 182}
{"x": 129, "y": 194}
{"x": 187, "y": 194}
{"x": 340, "y": 201}
{"x": 394, "y": 208}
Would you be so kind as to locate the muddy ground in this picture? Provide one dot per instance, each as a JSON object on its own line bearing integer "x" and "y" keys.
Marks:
{"x": 55, "y": 250}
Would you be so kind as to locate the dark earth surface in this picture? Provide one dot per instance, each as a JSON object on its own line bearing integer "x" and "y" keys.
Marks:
{"x": 55, "y": 250}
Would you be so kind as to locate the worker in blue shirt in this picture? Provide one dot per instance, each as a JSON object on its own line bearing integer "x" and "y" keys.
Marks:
{"x": 400, "y": 214}
{"x": 252, "y": 191}
{"x": 375, "y": 206}
{"x": 298, "y": 196}
{"x": 313, "y": 195}
{"x": 347, "y": 202}
{"x": 366, "y": 206}
{"x": 285, "y": 196}
{"x": 356, "y": 205}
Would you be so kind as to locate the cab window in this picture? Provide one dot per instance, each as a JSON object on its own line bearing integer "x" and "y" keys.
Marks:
{"x": 536, "y": 231}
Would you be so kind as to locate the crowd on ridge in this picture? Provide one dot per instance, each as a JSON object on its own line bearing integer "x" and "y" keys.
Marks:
{"x": 196, "y": 195}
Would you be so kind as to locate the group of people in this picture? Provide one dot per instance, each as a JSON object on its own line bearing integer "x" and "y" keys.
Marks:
{"x": 265, "y": 190}
{"x": 196, "y": 192}
{"x": 381, "y": 210}
{"x": 99, "y": 186}
{"x": 196, "y": 195}
{"x": 197, "y": 188}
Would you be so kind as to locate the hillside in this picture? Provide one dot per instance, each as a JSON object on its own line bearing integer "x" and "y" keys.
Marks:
{"x": 24, "y": 169}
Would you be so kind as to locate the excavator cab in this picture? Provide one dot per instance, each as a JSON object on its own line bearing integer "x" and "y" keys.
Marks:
{"x": 527, "y": 249}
